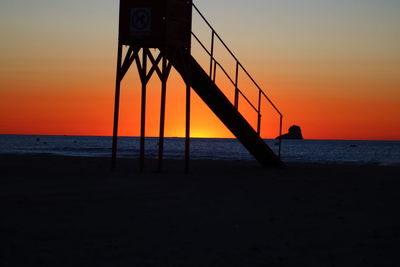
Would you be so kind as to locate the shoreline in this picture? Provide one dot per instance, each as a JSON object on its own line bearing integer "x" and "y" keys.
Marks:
{"x": 72, "y": 211}
{"x": 177, "y": 137}
{"x": 289, "y": 163}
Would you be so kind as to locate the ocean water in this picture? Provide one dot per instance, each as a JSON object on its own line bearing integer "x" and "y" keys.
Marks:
{"x": 306, "y": 151}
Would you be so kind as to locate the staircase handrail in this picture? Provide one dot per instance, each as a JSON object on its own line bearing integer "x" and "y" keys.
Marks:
{"x": 213, "y": 69}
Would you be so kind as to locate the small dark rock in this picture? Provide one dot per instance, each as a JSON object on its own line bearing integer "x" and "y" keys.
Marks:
{"x": 294, "y": 133}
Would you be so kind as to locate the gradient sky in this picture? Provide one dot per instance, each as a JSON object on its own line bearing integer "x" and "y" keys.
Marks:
{"x": 332, "y": 67}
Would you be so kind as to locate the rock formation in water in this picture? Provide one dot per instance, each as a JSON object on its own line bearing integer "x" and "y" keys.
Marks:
{"x": 294, "y": 133}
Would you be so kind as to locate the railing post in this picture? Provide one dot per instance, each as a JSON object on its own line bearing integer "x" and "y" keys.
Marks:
{"x": 215, "y": 71}
{"x": 280, "y": 137}
{"x": 236, "y": 85}
{"x": 259, "y": 114}
{"x": 259, "y": 125}
{"x": 212, "y": 53}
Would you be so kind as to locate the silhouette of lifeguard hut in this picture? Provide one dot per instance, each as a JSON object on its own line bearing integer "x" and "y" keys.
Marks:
{"x": 166, "y": 25}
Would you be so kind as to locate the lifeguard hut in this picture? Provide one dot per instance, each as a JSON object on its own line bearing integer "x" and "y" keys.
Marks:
{"x": 156, "y": 23}
{"x": 166, "y": 25}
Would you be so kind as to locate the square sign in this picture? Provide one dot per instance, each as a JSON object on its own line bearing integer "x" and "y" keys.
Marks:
{"x": 140, "y": 22}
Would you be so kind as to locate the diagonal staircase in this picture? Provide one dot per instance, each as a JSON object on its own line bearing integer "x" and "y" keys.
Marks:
{"x": 204, "y": 85}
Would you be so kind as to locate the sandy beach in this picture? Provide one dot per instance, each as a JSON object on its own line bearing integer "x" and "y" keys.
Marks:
{"x": 70, "y": 211}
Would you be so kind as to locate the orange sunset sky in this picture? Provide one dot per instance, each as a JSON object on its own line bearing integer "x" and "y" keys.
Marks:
{"x": 332, "y": 67}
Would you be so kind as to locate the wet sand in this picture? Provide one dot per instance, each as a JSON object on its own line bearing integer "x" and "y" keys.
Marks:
{"x": 69, "y": 211}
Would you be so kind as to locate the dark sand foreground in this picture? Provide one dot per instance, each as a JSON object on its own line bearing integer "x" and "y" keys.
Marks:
{"x": 65, "y": 211}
